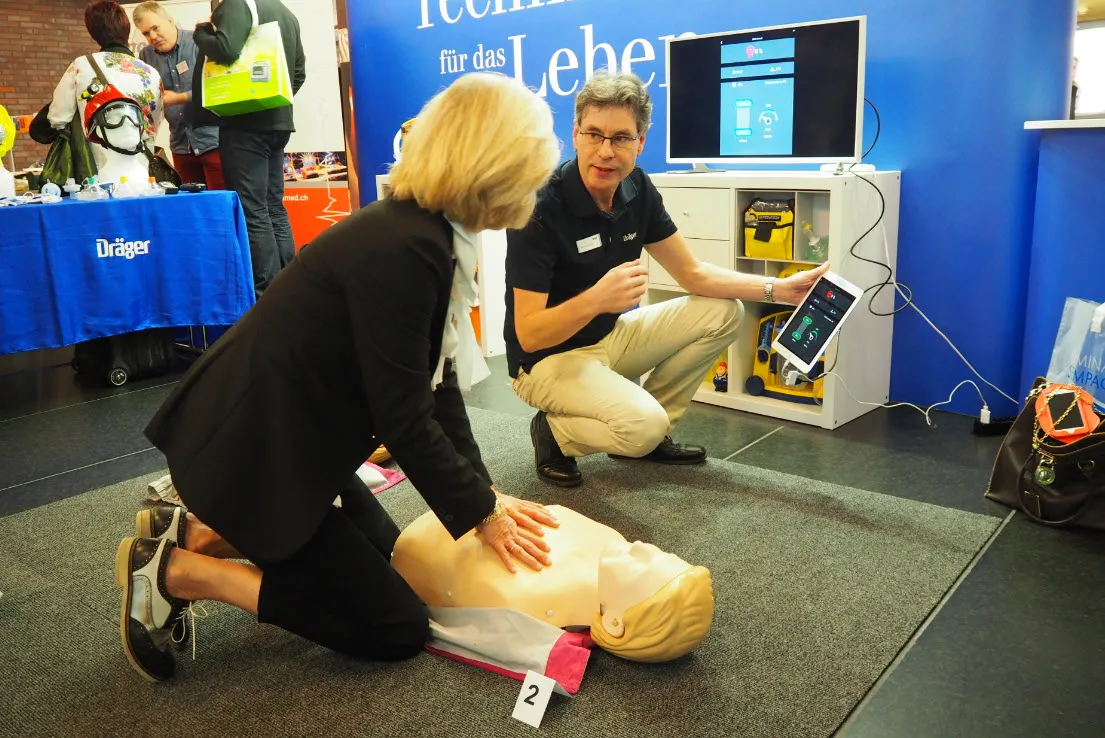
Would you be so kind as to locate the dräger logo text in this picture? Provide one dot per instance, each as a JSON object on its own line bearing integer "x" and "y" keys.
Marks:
{"x": 119, "y": 247}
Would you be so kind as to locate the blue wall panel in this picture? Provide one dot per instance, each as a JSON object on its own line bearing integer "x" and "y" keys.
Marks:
{"x": 953, "y": 81}
{"x": 1069, "y": 240}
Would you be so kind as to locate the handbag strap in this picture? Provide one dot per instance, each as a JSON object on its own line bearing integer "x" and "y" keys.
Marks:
{"x": 96, "y": 68}
{"x": 253, "y": 11}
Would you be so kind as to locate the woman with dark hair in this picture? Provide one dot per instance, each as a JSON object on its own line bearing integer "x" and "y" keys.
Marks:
{"x": 108, "y": 25}
{"x": 121, "y": 117}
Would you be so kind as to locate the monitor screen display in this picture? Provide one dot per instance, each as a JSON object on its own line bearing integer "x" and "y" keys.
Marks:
{"x": 790, "y": 93}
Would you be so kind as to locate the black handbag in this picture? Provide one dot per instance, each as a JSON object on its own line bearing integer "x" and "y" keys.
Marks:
{"x": 1053, "y": 483}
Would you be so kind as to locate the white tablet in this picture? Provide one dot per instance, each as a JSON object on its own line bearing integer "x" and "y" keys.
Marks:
{"x": 816, "y": 321}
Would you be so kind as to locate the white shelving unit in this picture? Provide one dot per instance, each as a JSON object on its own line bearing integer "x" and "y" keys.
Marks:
{"x": 709, "y": 209}
{"x": 491, "y": 279}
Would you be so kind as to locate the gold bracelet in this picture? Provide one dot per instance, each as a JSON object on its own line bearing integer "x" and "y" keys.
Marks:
{"x": 497, "y": 511}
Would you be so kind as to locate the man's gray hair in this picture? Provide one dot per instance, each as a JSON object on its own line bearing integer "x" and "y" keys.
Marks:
{"x": 148, "y": 8}
{"x": 625, "y": 90}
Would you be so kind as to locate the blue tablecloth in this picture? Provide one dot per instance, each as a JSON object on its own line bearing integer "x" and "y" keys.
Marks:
{"x": 72, "y": 271}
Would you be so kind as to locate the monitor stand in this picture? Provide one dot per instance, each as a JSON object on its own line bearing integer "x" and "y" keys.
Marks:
{"x": 844, "y": 168}
{"x": 696, "y": 168}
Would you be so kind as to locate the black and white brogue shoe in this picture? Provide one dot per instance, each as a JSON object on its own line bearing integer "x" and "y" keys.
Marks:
{"x": 163, "y": 520}
{"x": 148, "y": 612}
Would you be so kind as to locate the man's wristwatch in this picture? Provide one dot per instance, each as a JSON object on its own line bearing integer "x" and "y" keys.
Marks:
{"x": 769, "y": 290}
{"x": 496, "y": 512}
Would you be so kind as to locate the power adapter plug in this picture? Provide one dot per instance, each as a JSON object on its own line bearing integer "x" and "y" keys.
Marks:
{"x": 987, "y": 426}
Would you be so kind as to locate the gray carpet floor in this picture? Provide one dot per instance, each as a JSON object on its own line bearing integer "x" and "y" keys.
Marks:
{"x": 817, "y": 588}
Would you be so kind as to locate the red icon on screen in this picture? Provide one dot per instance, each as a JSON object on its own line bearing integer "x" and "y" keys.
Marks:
{"x": 830, "y": 294}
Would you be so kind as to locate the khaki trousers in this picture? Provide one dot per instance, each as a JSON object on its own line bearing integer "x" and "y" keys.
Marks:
{"x": 593, "y": 402}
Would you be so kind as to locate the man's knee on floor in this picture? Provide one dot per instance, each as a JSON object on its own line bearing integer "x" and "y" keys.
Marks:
{"x": 643, "y": 432}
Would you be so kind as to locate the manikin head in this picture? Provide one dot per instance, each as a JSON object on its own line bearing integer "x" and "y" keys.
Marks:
{"x": 113, "y": 119}
{"x": 653, "y": 606}
{"x": 156, "y": 25}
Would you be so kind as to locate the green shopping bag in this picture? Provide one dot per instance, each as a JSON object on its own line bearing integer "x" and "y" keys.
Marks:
{"x": 258, "y": 80}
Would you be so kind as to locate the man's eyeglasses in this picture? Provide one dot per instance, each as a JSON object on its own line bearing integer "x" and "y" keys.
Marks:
{"x": 619, "y": 142}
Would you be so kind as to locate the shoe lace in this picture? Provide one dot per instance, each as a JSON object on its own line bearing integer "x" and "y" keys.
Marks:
{"x": 195, "y": 610}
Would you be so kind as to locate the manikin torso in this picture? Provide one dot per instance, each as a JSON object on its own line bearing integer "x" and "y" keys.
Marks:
{"x": 593, "y": 567}
{"x": 467, "y": 573}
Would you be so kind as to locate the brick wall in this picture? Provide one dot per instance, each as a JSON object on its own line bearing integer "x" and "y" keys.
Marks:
{"x": 38, "y": 41}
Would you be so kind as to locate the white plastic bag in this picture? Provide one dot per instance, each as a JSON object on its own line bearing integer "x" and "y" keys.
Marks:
{"x": 1079, "y": 354}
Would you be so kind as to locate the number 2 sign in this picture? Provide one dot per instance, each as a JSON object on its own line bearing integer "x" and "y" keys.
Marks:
{"x": 533, "y": 699}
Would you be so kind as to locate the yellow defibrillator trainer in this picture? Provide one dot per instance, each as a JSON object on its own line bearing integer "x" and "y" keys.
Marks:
{"x": 767, "y": 378}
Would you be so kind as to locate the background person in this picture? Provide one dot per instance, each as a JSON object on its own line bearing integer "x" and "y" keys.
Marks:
{"x": 129, "y": 110}
{"x": 251, "y": 145}
{"x": 575, "y": 345}
{"x": 173, "y": 53}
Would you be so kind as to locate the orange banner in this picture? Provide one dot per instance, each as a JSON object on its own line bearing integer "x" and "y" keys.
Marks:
{"x": 313, "y": 208}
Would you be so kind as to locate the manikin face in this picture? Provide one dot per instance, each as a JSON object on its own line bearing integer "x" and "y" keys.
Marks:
{"x": 160, "y": 32}
{"x": 630, "y": 573}
{"x": 122, "y": 126}
{"x": 604, "y": 165}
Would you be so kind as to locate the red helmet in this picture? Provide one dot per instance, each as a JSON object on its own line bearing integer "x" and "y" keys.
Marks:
{"x": 100, "y": 101}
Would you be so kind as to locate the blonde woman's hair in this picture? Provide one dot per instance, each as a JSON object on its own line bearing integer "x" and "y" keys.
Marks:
{"x": 667, "y": 625}
{"x": 478, "y": 152}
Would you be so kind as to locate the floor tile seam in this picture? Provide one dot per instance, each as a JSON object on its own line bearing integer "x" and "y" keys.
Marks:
{"x": 76, "y": 469}
{"x": 87, "y": 402}
{"x": 920, "y": 630}
{"x": 747, "y": 446}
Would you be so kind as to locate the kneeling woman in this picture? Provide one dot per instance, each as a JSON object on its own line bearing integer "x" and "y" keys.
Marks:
{"x": 354, "y": 345}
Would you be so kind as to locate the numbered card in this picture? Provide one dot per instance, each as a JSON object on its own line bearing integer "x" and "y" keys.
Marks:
{"x": 533, "y": 699}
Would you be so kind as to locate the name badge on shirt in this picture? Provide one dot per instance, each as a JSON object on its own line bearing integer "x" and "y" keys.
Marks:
{"x": 182, "y": 68}
{"x": 589, "y": 244}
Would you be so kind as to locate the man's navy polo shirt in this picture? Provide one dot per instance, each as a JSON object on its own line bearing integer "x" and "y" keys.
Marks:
{"x": 546, "y": 255}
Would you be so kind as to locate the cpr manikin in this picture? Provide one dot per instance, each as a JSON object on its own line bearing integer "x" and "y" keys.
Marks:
{"x": 120, "y": 118}
{"x": 639, "y": 602}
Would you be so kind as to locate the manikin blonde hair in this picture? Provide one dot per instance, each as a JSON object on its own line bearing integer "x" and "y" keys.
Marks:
{"x": 667, "y": 625}
{"x": 478, "y": 152}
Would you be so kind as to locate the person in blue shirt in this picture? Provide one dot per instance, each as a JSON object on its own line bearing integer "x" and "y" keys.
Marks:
{"x": 172, "y": 51}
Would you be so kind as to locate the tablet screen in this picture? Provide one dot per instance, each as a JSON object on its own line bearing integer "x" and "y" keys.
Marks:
{"x": 815, "y": 320}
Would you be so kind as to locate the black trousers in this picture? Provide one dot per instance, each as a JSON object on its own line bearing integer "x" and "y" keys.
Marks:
{"x": 340, "y": 590}
{"x": 253, "y": 166}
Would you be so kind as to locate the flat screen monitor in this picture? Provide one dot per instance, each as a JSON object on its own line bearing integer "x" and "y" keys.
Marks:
{"x": 784, "y": 94}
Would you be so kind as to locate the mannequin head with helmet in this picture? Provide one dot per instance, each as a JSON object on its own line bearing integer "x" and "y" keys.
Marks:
{"x": 116, "y": 122}
{"x": 640, "y": 603}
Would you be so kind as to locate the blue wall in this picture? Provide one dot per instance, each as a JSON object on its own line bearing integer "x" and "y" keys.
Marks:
{"x": 953, "y": 81}
{"x": 1070, "y": 198}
